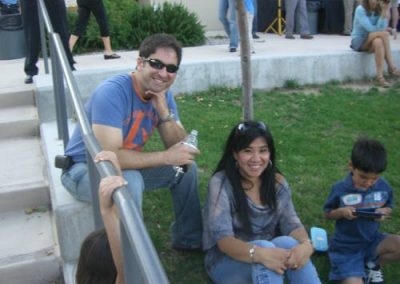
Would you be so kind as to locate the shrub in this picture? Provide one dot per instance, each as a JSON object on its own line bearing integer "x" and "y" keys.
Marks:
{"x": 130, "y": 23}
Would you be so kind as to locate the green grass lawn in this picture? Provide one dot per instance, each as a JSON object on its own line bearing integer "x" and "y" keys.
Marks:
{"x": 314, "y": 130}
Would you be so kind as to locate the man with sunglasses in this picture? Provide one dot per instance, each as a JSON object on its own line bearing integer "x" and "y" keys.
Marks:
{"x": 124, "y": 112}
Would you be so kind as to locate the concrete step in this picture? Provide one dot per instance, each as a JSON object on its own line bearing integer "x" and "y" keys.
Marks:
{"x": 19, "y": 121}
{"x": 22, "y": 180}
{"x": 17, "y": 96}
{"x": 28, "y": 253}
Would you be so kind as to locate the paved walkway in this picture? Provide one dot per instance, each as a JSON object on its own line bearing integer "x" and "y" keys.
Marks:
{"x": 273, "y": 46}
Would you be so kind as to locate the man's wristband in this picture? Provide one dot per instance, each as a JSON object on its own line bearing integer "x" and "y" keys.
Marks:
{"x": 169, "y": 117}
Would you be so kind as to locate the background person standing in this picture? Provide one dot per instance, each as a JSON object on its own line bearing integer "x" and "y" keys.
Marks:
{"x": 349, "y": 7}
{"x": 58, "y": 17}
{"x": 294, "y": 7}
{"x": 85, "y": 7}
{"x": 227, "y": 16}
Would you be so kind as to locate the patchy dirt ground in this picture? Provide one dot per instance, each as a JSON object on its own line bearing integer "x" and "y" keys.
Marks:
{"x": 363, "y": 86}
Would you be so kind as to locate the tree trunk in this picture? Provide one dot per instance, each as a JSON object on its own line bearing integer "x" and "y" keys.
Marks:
{"x": 144, "y": 2}
{"x": 245, "y": 61}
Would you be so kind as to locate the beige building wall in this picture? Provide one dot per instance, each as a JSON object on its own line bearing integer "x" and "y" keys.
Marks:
{"x": 206, "y": 10}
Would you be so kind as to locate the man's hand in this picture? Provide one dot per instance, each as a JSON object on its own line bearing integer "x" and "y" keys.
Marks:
{"x": 180, "y": 154}
{"x": 159, "y": 102}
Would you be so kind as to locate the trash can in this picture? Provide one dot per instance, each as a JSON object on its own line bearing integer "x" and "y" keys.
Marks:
{"x": 12, "y": 40}
{"x": 313, "y": 7}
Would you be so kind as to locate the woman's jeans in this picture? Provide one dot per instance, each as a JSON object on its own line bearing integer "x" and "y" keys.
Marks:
{"x": 187, "y": 229}
{"x": 232, "y": 271}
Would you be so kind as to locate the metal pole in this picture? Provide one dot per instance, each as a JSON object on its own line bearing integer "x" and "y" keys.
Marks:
{"x": 59, "y": 93}
{"x": 142, "y": 256}
{"x": 94, "y": 180}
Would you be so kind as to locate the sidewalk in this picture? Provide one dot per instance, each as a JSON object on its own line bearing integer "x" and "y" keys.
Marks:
{"x": 274, "y": 46}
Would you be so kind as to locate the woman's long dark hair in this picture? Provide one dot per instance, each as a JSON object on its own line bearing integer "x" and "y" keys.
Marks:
{"x": 241, "y": 136}
{"x": 377, "y": 10}
{"x": 95, "y": 264}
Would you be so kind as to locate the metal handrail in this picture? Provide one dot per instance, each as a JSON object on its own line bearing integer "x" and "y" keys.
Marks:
{"x": 141, "y": 262}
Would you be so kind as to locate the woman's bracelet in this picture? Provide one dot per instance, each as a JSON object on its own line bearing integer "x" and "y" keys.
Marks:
{"x": 307, "y": 241}
{"x": 252, "y": 252}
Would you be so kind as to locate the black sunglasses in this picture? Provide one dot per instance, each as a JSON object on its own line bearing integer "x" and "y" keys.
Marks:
{"x": 247, "y": 125}
{"x": 159, "y": 65}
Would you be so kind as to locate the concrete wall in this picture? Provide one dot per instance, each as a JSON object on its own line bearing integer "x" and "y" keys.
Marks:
{"x": 206, "y": 10}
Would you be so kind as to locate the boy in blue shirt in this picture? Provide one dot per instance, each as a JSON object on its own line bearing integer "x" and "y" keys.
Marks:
{"x": 357, "y": 245}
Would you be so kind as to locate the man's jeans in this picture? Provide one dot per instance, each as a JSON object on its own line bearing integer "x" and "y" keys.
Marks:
{"x": 232, "y": 271}
{"x": 227, "y": 16}
{"x": 187, "y": 229}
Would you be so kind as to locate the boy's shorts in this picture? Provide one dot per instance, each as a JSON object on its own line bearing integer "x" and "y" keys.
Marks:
{"x": 346, "y": 264}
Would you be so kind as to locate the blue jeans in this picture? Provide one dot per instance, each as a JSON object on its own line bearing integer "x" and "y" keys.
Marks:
{"x": 186, "y": 230}
{"x": 232, "y": 271}
{"x": 254, "y": 25}
{"x": 227, "y": 16}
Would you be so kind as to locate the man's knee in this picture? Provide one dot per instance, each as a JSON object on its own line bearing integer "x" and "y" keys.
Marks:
{"x": 135, "y": 184}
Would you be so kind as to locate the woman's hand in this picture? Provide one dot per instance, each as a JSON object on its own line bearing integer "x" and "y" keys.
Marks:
{"x": 274, "y": 259}
{"x": 299, "y": 255}
{"x": 384, "y": 7}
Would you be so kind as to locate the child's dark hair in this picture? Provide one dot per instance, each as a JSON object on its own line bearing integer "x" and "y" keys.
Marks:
{"x": 369, "y": 156}
{"x": 95, "y": 264}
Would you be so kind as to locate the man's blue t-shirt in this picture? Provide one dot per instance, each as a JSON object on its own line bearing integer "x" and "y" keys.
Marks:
{"x": 115, "y": 103}
{"x": 354, "y": 234}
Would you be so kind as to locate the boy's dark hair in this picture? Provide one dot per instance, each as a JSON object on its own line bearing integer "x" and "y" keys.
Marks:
{"x": 369, "y": 155}
{"x": 95, "y": 264}
{"x": 161, "y": 40}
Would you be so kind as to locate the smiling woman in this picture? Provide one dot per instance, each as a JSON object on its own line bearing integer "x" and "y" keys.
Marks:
{"x": 252, "y": 233}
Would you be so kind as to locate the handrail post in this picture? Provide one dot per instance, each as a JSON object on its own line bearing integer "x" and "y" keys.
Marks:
{"x": 59, "y": 93}
{"x": 43, "y": 37}
{"x": 131, "y": 271}
{"x": 94, "y": 179}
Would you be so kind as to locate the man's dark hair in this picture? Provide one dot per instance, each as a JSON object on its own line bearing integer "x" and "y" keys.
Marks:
{"x": 369, "y": 155}
{"x": 161, "y": 40}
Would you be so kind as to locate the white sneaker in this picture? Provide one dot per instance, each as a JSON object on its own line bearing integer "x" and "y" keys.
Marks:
{"x": 374, "y": 274}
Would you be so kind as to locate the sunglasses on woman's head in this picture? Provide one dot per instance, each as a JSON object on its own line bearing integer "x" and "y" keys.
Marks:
{"x": 247, "y": 125}
{"x": 159, "y": 65}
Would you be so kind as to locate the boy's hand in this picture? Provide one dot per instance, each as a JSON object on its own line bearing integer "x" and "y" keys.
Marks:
{"x": 385, "y": 211}
{"x": 343, "y": 212}
{"x": 347, "y": 212}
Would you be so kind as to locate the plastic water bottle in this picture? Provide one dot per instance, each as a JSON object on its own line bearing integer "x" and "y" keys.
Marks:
{"x": 190, "y": 140}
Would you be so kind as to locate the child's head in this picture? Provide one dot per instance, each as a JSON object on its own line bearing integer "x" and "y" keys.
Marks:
{"x": 95, "y": 264}
{"x": 368, "y": 160}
